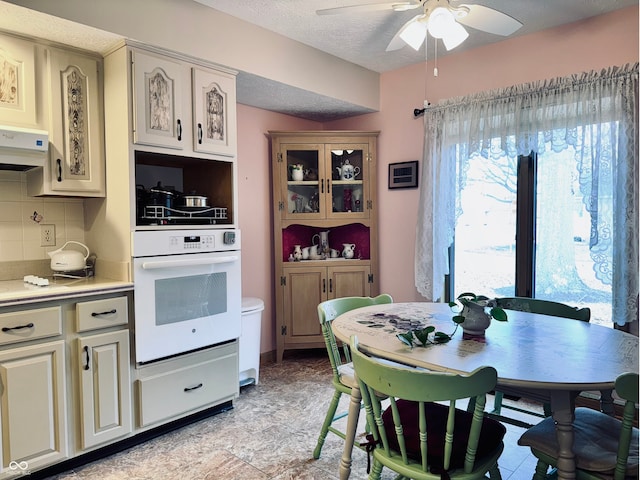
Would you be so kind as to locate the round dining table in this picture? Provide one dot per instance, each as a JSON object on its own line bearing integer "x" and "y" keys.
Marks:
{"x": 539, "y": 357}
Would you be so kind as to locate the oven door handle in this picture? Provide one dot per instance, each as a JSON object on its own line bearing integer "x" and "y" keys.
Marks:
{"x": 188, "y": 262}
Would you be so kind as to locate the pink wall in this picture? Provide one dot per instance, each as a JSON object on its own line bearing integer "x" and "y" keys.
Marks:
{"x": 593, "y": 44}
{"x": 254, "y": 198}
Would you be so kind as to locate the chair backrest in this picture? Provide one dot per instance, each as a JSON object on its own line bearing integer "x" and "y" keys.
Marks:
{"x": 328, "y": 311}
{"x": 421, "y": 388}
{"x": 627, "y": 389}
{"x": 545, "y": 307}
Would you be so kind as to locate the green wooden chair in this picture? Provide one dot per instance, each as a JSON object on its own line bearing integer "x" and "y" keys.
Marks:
{"x": 545, "y": 307}
{"x": 604, "y": 447}
{"x": 340, "y": 358}
{"x": 423, "y": 440}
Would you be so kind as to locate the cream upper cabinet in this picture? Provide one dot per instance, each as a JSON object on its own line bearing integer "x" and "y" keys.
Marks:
{"x": 158, "y": 86}
{"x": 214, "y": 112}
{"x": 76, "y": 134}
{"x": 182, "y": 106}
{"x": 18, "y": 100}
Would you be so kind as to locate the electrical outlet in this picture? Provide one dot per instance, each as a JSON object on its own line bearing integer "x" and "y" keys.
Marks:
{"x": 47, "y": 235}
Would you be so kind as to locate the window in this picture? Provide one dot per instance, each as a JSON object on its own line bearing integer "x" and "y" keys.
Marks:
{"x": 580, "y": 132}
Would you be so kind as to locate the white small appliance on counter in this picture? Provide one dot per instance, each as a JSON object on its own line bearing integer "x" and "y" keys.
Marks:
{"x": 72, "y": 263}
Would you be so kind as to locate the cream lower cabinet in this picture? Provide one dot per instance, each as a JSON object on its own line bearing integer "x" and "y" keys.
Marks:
{"x": 304, "y": 287}
{"x": 102, "y": 366}
{"x": 65, "y": 380}
{"x": 33, "y": 416}
{"x": 187, "y": 383}
{"x": 104, "y": 387}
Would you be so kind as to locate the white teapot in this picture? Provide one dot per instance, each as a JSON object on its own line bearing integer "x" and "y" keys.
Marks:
{"x": 347, "y": 171}
{"x": 348, "y": 250}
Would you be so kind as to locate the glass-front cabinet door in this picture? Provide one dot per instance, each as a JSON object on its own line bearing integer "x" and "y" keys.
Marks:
{"x": 302, "y": 177}
{"x": 324, "y": 181}
{"x": 347, "y": 176}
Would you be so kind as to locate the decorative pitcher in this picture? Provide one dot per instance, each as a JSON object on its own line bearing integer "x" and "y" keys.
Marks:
{"x": 297, "y": 172}
{"x": 348, "y": 250}
{"x": 322, "y": 240}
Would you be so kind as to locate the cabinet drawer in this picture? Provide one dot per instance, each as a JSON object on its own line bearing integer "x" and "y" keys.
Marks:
{"x": 101, "y": 314}
{"x": 179, "y": 391}
{"x": 30, "y": 324}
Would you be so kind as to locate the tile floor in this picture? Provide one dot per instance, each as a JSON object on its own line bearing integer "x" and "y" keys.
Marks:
{"x": 270, "y": 434}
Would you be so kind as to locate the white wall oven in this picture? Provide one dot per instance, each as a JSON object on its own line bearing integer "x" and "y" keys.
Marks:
{"x": 187, "y": 288}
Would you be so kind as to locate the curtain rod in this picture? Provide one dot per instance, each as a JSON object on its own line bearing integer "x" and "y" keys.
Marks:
{"x": 419, "y": 111}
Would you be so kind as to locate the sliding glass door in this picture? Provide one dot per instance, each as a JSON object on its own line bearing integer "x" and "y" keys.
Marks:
{"x": 525, "y": 227}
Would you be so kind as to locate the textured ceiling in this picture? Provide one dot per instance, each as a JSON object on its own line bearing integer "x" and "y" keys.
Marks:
{"x": 362, "y": 37}
{"x": 358, "y": 38}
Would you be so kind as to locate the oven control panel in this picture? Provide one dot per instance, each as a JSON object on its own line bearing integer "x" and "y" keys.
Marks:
{"x": 194, "y": 242}
{"x": 172, "y": 242}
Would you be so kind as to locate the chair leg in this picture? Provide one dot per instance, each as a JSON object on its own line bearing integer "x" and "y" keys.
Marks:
{"x": 328, "y": 420}
{"x": 497, "y": 402}
{"x": 376, "y": 470}
{"x": 606, "y": 402}
{"x": 541, "y": 471}
{"x": 494, "y": 473}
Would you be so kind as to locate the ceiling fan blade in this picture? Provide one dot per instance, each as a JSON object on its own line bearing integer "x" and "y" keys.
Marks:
{"x": 397, "y": 42}
{"x": 368, "y": 7}
{"x": 489, "y": 20}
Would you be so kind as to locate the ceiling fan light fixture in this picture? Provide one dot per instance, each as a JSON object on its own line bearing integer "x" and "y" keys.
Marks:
{"x": 414, "y": 34}
{"x": 440, "y": 22}
{"x": 455, "y": 36}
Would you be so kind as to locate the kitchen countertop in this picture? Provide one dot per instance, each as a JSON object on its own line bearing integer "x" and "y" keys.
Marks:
{"x": 17, "y": 292}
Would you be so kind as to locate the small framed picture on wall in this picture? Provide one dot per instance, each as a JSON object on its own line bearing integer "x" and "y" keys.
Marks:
{"x": 403, "y": 175}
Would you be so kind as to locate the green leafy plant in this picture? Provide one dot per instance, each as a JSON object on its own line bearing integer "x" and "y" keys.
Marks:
{"x": 469, "y": 299}
{"x": 422, "y": 336}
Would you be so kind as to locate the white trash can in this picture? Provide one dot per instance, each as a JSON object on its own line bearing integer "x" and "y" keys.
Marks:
{"x": 249, "y": 357}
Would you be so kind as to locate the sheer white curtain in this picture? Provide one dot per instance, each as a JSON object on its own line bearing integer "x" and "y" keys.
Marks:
{"x": 596, "y": 113}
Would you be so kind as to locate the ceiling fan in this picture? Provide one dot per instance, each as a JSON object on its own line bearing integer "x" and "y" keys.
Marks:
{"x": 440, "y": 19}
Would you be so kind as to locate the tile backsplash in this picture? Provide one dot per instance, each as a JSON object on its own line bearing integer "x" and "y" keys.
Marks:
{"x": 21, "y": 217}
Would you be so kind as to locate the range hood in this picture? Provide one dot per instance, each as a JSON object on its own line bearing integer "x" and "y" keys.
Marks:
{"x": 22, "y": 148}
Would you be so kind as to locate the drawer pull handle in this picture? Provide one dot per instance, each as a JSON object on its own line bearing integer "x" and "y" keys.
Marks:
{"x": 86, "y": 352}
{"x": 179, "y": 130}
{"x": 98, "y": 314}
{"x": 188, "y": 389}
{"x": 19, "y": 327}
{"x": 59, "y": 164}
{"x": 200, "y": 133}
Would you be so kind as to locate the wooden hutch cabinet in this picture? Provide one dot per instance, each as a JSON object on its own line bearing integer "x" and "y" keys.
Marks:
{"x": 324, "y": 188}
